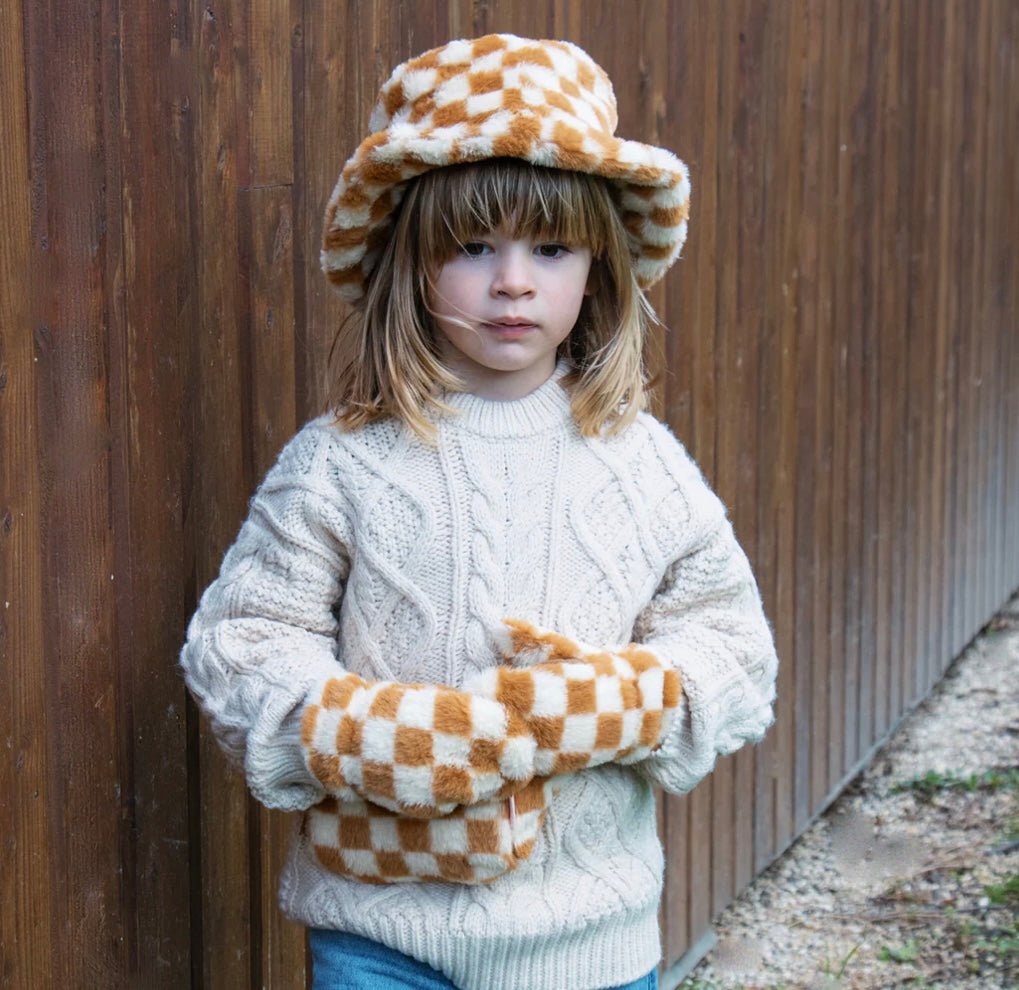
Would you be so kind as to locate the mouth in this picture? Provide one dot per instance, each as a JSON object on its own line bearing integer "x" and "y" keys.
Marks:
{"x": 510, "y": 326}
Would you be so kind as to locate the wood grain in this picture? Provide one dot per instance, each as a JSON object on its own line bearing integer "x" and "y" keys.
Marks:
{"x": 839, "y": 353}
{"x": 26, "y": 899}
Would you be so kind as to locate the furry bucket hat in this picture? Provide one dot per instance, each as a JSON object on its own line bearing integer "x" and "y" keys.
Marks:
{"x": 500, "y": 96}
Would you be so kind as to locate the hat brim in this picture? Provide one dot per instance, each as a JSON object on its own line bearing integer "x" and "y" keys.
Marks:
{"x": 654, "y": 185}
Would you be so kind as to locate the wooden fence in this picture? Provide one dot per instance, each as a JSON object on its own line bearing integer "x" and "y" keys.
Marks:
{"x": 843, "y": 360}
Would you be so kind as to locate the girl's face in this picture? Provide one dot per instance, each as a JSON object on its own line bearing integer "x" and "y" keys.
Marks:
{"x": 503, "y": 305}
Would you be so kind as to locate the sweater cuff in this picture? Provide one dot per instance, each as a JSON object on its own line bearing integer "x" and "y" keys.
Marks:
{"x": 276, "y": 768}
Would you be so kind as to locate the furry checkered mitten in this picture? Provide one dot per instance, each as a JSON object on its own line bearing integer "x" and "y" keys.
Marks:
{"x": 473, "y": 844}
{"x": 420, "y": 750}
{"x": 584, "y": 706}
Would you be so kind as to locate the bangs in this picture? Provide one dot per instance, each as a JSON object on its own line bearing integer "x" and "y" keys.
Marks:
{"x": 459, "y": 202}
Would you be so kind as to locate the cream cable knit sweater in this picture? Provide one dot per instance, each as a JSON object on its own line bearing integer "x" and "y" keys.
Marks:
{"x": 375, "y": 553}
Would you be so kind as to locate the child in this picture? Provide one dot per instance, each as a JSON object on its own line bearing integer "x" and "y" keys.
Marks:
{"x": 396, "y": 643}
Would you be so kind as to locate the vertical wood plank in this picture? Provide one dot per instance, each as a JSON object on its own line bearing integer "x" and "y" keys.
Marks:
{"x": 960, "y": 217}
{"x": 644, "y": 113}
{"x": 1009, "y": 142}
{"x": 698, "y": 125}
{"x": 1008, "y": 122}
{"x": 267, "y": 211}
{"x": 221, "y": 482}
{"x": 271, "y": 286}
{"x": 677, "y": 839}
{"x": 692, "y": 129}
{"x": 741, "y": 442}
{"x": 897, "y": 251}
{"x": 994, "y": 343}
{"x": 151, "y": 315}
{"x": 832, "y": 309}
{"x": 802, "y": 227}
{"x": 790, "y": 266}
{"x": 862, "y": 105}
{"x": 341, "y": 75}
{"x": 815, "y": 570}
{"x": 923, "y": 383}
{"x": 83, "y": 701}
{"x": 734, "y": 39}
{"x": 536, "y": 19}
{"x": 25, "y": 893}
{"x": 1000, "y": 209}
{"x": 913, "y": 492}
{"x": 943, "y": 79}
{"x": 804, "y": 534}
{"x": 888, "y": 327}
{"x": 692, "y": 296}
{"x": 969, "y": 303}
{"x": 981, "y": 553}
{"x": 271, "y": 32}
{"x": 848, "y": 273}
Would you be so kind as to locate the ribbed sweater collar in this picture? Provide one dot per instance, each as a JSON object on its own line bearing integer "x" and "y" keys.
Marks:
{"x": 546, "y": 408}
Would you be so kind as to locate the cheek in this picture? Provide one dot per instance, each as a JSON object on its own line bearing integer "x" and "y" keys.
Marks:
{"x": 583, "y": 289}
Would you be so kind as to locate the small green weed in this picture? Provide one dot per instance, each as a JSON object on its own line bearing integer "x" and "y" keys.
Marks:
{"x": 934, "y": 782}
{"x": 908, "y": 953}
{"x": 1000, "y": 945}
{"x": 1004, "y": 893}
{"x": 1004, "y": 942}
{"x": 837, "y": 970}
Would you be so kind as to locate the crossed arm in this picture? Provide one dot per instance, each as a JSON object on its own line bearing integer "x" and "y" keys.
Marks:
{"x": 422, "y": 750}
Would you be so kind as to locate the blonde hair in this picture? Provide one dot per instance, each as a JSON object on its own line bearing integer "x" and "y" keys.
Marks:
{"x": 390, "y": 364}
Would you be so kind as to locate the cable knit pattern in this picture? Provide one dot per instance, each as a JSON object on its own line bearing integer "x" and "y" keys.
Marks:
{"x": 374, "y": 554}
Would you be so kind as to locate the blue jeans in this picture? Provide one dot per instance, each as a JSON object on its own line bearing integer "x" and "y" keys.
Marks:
{"x": 349, "y": 962}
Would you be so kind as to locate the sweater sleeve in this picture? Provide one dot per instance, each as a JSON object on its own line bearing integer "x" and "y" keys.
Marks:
{"x": 264, "y": 637}
{"x": 706, "y": 621}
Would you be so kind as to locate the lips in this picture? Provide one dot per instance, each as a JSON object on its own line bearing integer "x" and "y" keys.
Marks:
{"x": 507, "y": 331}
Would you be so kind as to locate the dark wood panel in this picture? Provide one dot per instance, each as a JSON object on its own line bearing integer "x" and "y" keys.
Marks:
{"x": 151, "y": 289}
{"x": 841, "y": 358}
{"x": 274, "y": 418}
{"x": 1001, "y": 288}
{"x": 221, "y": 480}
{"x": 946, "y": 357}
{"x": 923, "y": 348}
{"x": 83, "y": 709}
{"x": 26, "y": 902}
{"x": 692, "y": 124}
{"x": 913, "y": 495}
{"x": 828, "y": 315}
{"x": 816, "y": 337}
{"x": 735, "y": 128}
{"x": 267, "y": 211}
{"x": 887, "y": 358}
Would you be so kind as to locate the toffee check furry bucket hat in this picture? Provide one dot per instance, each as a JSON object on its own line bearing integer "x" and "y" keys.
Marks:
{"x": 500, "y": 96}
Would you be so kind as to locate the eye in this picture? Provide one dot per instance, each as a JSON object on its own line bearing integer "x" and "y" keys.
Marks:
{"x": 551, "y": 250}
{"x": 474, "y": 249}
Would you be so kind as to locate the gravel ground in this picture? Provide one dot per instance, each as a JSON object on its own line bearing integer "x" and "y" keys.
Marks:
{"x": 911, "y": 878}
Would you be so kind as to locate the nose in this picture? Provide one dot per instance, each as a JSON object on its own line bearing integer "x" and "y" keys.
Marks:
{"x": 512, "y": 277}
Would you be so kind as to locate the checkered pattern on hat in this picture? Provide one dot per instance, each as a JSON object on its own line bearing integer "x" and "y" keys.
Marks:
{"x": 585, "y": 707}
{"x": 473, "y": 845}
{"x": 417, "y": 749}
{"x": 545, "y": 102}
